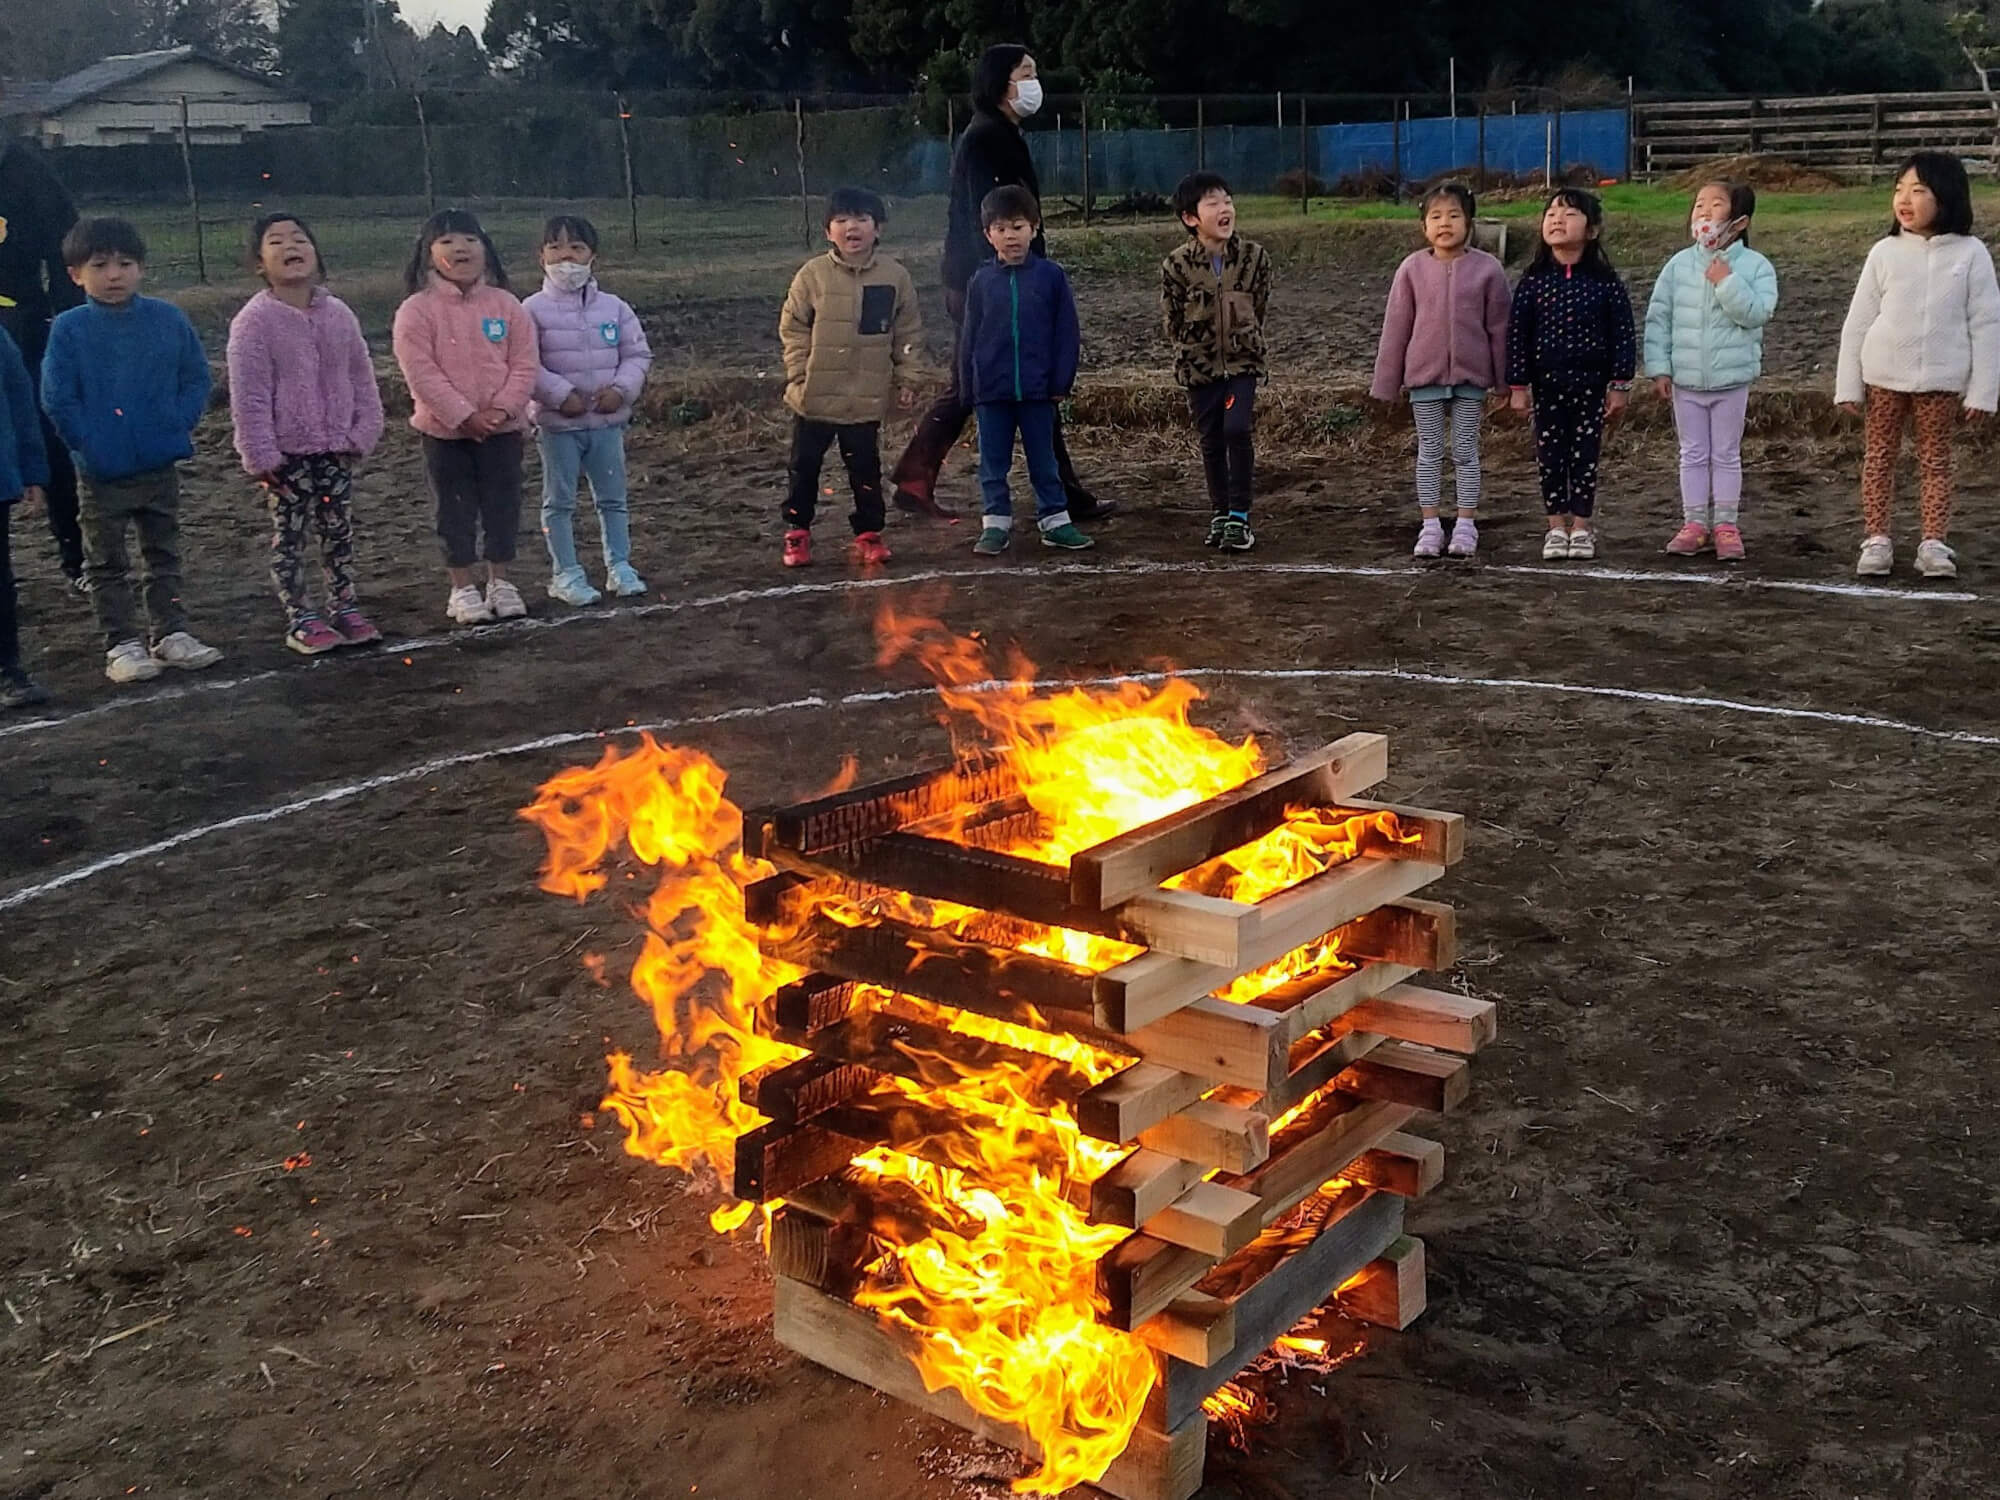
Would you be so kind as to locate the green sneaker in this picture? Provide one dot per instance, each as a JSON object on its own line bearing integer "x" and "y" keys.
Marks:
{"x": 992, "y": 542}
{"x": 1237, "y": 536}
{"x": 1067, "y": 539}
{"x": 1215, "y": 530}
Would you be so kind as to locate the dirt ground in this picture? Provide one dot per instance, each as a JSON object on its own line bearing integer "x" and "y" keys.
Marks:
{"x": 297, "y": 1194}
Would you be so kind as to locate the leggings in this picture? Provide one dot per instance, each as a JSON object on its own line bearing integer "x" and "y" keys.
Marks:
{"x": 1569, "y": 436}
{"x": 1710, "y": 424}
{"x": 1935, "y": 413}
{"x": 310, "y": 492}
{"x": 1453, "y": 418}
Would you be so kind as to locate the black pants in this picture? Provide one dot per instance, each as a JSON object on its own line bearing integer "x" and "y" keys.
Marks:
{"x": 1225, "y": 416}
{"x": 943, "y": 423}
{"x": 478, "y": 487}
{"x": 10, "y": 619}
{"x": 65, "y": 522}
{"x": 1569, "y": 436}
{"x": 860, "y": 450}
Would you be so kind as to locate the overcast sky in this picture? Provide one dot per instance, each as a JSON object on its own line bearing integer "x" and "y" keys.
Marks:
{"x": 454, "y": 13}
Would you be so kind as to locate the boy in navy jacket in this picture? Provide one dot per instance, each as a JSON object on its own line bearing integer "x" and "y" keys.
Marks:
{"x": 24, "y": 475}
{"x": 124, "y": 383}
{"x": 1018, "y": 351}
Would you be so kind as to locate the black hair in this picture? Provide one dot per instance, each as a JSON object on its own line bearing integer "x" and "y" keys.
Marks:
{"x": 90, "y": 238}
{"x": 1944, "y": 175}
{"x": 1459, "y": 193}
{"x": 1010, "y": 202}
{"x": 571, "y": 227}
{"x": 265, "y": 224}
{"x": 451, "y": 221}
{"x": 1191, "y": 190}
{"x": 993, "y": 73}
{"x": 855, "y": 203}
{"x": 1742, "y": 203}
{"x": 1594, "y": 262}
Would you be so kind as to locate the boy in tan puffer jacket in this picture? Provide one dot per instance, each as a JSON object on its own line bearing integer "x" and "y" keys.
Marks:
{"x": 850, "y": 329}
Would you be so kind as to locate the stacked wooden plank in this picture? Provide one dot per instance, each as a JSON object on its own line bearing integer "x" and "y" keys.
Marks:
{"x": 1267, "y": 1162}
{"x": 1853, "y": 133}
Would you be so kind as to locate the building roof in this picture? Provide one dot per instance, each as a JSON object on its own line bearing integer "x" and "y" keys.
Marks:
{"x": 102, "y": 77}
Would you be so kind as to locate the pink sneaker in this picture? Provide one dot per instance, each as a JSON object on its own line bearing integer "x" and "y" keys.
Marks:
{"x": 355, "y": 628}
{"x": 870, "y": 550}
{"x": 798, "y": 548}
{"x": 310, "y": 635}
{"x": 1728, "y": 543}
{"x": 1691, "y": 539}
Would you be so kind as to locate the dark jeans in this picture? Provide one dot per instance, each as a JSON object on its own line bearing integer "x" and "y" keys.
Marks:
{"x": 943, "y": 423}
{"x": 478, "y": 486}
{"x": 1035, "y": 421}
{"x": 1225, "y": 415}
{"x": 1569, "y": 436}
{"x": 149, "y": 503}
{"x": 10, "y": 620}
{"x": 860, "y": 451}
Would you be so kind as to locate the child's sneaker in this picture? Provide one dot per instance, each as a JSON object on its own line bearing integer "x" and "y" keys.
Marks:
{"x": 798, "y": 548}
{"x": 182, "y": 650}
{"x": 355, "y": 628}
{"x": 128, "y": 662}
{"x": 19, "y": 690}
{"x": 1582, "y": 544}
{"x": 992, "y": 541}
{"x": 572, "y": 588}
{"x": 1464, "y": 538}
{"x": 1934, "y": 559}
{"x": 1069, "y": 539}
{"x": 467, "y": 606}
{"x": 1555, "y": 547}
{"x": 1878, "y": 556}
{"x": 623, "y": 582}
{"x": 1691, "y": 539}
{"x": 1215, "y": 530}
{"x": 1236, "y": 535}
{"x": 1430, "y": 539}
{"x": 310, "y": 636}
{"x": 1728, "y": 542}
{"x": 870, "y": 550}
{"x": 504, "y": 600}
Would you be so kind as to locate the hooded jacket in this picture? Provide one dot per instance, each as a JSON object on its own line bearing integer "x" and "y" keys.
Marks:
{"x": 993, "y": 153}
{"x": 850, "y": 334}
{"x": 587, "y": 340}
{"x": 1709, "y": 336}
{"x": 1020, "y": 340}
{"x": 463, "y": 350}
{"x": 300, "y": 381}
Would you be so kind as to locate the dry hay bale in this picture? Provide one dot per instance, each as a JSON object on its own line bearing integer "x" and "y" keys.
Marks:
{"x": 1770, "y": 173}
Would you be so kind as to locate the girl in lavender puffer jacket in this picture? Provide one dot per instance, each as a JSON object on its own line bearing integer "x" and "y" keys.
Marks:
{"x": 594, "y": 363}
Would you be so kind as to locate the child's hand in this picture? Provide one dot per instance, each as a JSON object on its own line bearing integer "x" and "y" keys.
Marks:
{"x": 1975, "y": 417}
{"x": 483, "y": 424}
{"x": 1519, "y": 400}
{"x": 906, "y": 398}
{"x": 1663, "y": 387}
{"x": 1852, "y": 408}
{"x": 1615, "y": 403}
{"x": 609, "y": 400}
{"x": 1718, "y": 271}
{"x": 573, "y": 405}
{"x": 32, "y": 496}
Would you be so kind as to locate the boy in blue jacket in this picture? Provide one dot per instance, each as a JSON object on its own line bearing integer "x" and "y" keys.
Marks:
{"x": 124, "y": 382}
{"x": 24, "y": 475}
{"x": 1018, "y": 351}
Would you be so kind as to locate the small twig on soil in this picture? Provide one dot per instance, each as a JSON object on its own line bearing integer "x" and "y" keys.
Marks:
{"x": 269, "y": 1166}
{"x": 501, "y": 1459}
{"x": 364, "y": 1463}
{"x": 294, "y": 1354}
{"x": 268, "y": 1379}
{"x": 503, "y": 1156}
{"x": 1609, "y": 1100}
{"x": 126, "y": 1333}
{"x": 15, "y": 1313}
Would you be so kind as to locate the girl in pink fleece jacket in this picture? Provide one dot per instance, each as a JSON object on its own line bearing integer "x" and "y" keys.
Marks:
{"x": 469, "y": 354}
{"x": 303, "y": 399}
{"x": 1444, "y": 340}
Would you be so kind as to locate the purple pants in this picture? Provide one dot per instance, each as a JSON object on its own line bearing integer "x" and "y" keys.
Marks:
{"x": 1711, "y": 428}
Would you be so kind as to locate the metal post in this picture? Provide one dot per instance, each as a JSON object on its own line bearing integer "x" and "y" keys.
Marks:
{"x": 625, "y": 147}
{"x": 1631, "y": 122}
{"x": 1086, "y": 161}
{"x": 799, "y": 147}
{"x": 1454, "y": 104}
{"x": 950, "y": 119}
{"x": 194, "y": 196}
{"x": 424, "y": 144}
{"x": 1305, "y": 166}
{"x": 1200, "y": 133}
{"x": 1549, "y": 155}
{"x": 1058, "y": 178}
{"x": 1281, "y": 109}
{"x": 1396, "y": 147}
{"x": 1482, "y": 145}
{"x": 1556, "y": 120}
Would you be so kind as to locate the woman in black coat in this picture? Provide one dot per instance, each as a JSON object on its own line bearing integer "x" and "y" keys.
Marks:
{"x": 991, "y": 154}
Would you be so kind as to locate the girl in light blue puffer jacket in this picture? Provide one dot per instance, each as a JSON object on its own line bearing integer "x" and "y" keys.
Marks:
{"x": 1704, "y": 346}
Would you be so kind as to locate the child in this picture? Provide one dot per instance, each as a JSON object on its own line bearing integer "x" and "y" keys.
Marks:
{"x": 1571, "y": 345}
{"x": 124, "y": 383}
{"x": 594, "y": 360}
{"x": 467, "y": 350}
{"x": 1704, "y": 345}
{"x": 1444, "y": 340}
{"x": 1922, "y": 340}
{"x": 24, "y": 474}
{"x": 1214, "y": 291}
{"x": 1018, "y": 351}
{"x": 850, "y": 328}
{"x": 303, "y": 398}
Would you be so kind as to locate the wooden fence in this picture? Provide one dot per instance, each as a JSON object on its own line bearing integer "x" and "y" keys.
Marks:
{"x": 1851, "y": 133}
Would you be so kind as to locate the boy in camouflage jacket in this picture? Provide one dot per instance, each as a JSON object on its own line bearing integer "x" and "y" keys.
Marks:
{"x": 1213, "y": 292}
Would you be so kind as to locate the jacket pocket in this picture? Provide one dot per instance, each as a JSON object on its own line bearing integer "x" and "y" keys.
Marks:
{"x": 878, "y": 309}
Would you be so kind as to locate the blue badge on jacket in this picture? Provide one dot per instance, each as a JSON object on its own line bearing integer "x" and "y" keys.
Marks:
{"x": 608, "y": 332}
{"x": 495, "y": 330}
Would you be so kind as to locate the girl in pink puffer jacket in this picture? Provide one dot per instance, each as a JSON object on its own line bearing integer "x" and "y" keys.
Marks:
{"x": 594, "y": 362}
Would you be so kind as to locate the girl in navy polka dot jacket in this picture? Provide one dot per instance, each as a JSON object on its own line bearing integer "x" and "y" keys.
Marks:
{"x": 1571, "y": 346}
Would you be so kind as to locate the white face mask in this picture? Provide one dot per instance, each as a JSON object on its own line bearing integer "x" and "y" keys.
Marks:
{"x": 570, "y": 275}
{"x": 1027, "y": 96}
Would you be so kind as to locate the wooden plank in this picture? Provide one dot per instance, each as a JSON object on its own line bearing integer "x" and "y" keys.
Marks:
{"x": 1315, "y": 1149}
{"x": 885, "y": 806}
{"x": 1140, "y": 1277}
{"x": 884, "y": 1042}
{"x": 1317, "y": 1001}
{"x": 1434, "y": 1018}
{"x": 1124, "y": 1106}
{"x": 1135, "y": 862}
{"x": 1316, "y": 1062}
{"x": 1238, "y": 1044}
{"x": 792, "y": 1092}
{"x": 1398, "y": 1073}
{"x": 1225, "y": 1136}
{"x": 823, "y": 1254}
{"x": 772, "y": 1160}
{"x": 806, "y": 1006}
{"x": 1389, "y": 1291}
{"x": 1407, "y": 1165}
{"x": 1418, "y": 933}
{"x": 1211, "y": 1218}
{"x": 1197, "y": 1329}
{"x": 1441, "y": 835}
{"x": 1142, "y": 1185}
{"x": 853, "y": 1342}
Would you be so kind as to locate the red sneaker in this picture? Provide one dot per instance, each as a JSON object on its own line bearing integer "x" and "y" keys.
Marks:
{"x": 870, "y": 550}
{"x": 798, "y": 549}
{"x": 1689, "y": 540}
{"x": 355, "y": 628}
{"x": 1728, "y": 543}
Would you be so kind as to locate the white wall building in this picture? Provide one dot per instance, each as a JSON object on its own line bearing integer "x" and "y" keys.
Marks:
{"x": 135, "y": 99}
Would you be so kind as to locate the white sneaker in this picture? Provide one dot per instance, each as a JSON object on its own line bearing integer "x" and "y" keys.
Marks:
{"x": 128, "y": 662}
{"x": 467, "y": 606}
{"x": 182, "y": 650}
{"x": 1464, "y": 538}
{"x": 573, "y": 588}
{"x": 1582, "y": 544}
{"x": 1878, "y": 555}
{"x": 1934, "y": 559}
{"x": 504, "y": 600}
{"x": 625, "y": 583}
{"x": 1430, "y": 539}
{"x": 1555, "y": 547}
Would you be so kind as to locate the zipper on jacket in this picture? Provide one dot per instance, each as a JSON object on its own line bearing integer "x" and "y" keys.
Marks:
{"x": 1451, "y": 319}
{"x": 1014, "y": 292}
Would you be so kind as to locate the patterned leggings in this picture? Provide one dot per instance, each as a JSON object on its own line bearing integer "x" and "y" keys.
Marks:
{"x": 1456, "y": 419}
{"x": 1935, "y": 414}
{"x": 310, "y": 491}
{"x": 1569, "y": 436}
